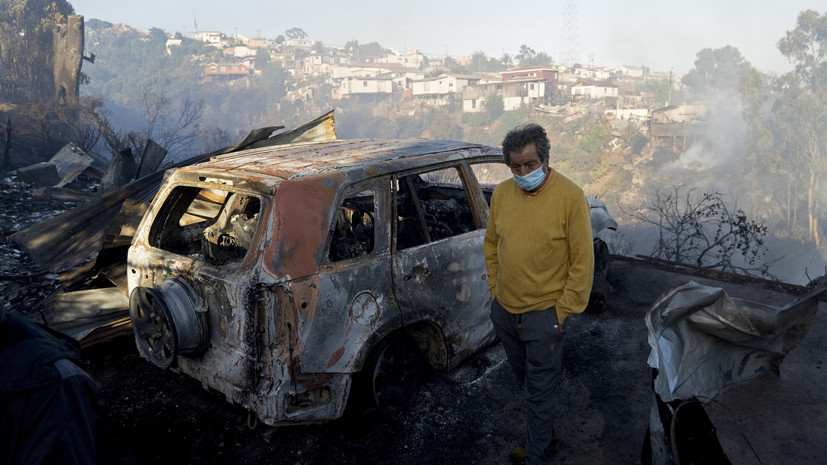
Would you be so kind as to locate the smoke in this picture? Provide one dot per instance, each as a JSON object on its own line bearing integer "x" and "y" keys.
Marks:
{"x": 717, "y": 149}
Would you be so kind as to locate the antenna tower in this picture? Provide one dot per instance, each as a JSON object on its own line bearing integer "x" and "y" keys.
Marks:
{"x": 571, "y": 34}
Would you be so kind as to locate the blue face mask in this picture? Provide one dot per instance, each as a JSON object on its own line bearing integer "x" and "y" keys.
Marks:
{"x": 532, "y": 180}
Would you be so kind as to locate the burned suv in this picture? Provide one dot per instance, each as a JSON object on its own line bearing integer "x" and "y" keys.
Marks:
{"x": 281, "y": 276}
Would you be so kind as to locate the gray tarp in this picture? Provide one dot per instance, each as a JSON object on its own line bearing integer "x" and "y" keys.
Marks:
{"x": 702, "y": 340}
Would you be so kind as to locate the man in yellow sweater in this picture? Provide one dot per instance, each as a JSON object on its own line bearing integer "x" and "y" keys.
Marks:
{"x": 540, "y": 258}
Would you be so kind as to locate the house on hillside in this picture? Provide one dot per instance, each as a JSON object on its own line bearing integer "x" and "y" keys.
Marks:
{"x": 530, "y": 74}
{"x": 591, "y": 91}
{"x": 214, "y": 38}
{"x": 259, "y": 43}
{"x": 301, "y": 44}
{"x": 172, "y": 43}
{"x": 368, "y": 70}
{"x": 678, "y": 124}
{"x": 634, "y": 72}
{"x": 286, "y": 60}
{"x": 323, "y": 63}
{"x": 443, "y": 89}
{"x": 375, "y": 88}
{"x": 410, "y": 59}
{"x": 405, "y": 81}
{"x": 520, "y": 86}
{"x": 240, "y": 51}
{"x": 514, "y": 94}
{"x": 536, "y": 85}
{"x": 226, "y": 72}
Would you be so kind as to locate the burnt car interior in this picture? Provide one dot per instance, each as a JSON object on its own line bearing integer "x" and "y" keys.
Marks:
{"x": 353, "y": 231}
{"x": 212, "y": 225}
{"x": 430, "y": 207}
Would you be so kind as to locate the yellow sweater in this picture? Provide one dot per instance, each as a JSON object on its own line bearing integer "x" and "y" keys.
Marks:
{"x": 538, "y": 250}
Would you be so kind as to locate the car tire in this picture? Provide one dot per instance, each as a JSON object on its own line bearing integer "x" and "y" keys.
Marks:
{"x": 395, "y": 372}
{"x": 168, "y": 321}
{"x": 599, "y": 297}
{"x": 601, "y": 258}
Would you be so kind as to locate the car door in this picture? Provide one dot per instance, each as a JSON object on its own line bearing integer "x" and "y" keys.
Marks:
{"x": 355, "y": 297}
{"x": 438, "y": 262}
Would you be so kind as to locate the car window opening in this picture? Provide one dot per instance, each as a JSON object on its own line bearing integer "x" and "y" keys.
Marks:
{"x": 353, "y": 230}
{"x": 209, "y": 225}
{"x": 430, "y": 207}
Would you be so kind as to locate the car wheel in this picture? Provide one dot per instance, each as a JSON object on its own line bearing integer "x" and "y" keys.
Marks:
{"x": 154, "y": 330}
{"x": 601, "y": 258}
{"x": 168, "y": 322}
{"x": 599, "y": 297}
{"x": 396, "y": 372}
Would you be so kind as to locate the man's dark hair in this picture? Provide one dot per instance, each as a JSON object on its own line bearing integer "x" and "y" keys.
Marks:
{"x": 523, "y": 135}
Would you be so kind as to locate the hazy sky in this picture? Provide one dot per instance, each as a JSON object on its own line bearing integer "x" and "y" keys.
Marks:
{"x": 663, "y": 35}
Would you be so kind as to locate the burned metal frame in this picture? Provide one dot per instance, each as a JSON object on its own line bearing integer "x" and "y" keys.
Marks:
{"x": 290, "y": 326}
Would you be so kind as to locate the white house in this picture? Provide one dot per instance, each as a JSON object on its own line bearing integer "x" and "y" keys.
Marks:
{"x": 513, "y": 93}
{"x": 172, "y": 43}
{"x": 359, "y": 86}
{"x": 593, "y": 90}
{"x": 635, "y": 72}
{"x": 306, "y": 44}
{"x": 362, "y": 70}
{"x": 316, "y": 64}
{"x": 442, "y": 89}
{"x": 410, "y": 59}
{"x": 243, "y": 52}
{"x": 210, "y": 37}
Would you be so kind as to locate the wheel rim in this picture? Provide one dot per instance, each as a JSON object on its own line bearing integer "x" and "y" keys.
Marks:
{"x": 154, "y": 331}
{"x": 398, "y": 373}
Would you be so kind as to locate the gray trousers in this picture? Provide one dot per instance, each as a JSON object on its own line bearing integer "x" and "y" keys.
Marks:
{"x": 533, "y": 343}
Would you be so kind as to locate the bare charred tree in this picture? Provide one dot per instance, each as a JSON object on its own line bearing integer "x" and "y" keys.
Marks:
{"x": 68, "y": 58}
{"x": 699, "y": 229}
{"x": 27, "y": 48}
{"x": 87, "y": 121}
{"x": 173, "y": 127}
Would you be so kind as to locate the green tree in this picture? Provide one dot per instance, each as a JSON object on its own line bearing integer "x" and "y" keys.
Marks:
{"x": 801, "y": 109}
{"x": 444, "y": 126}
{"x": 761, "y": 155}
{"x": 660, "y": 88}
{"x": 493, "y": 107}
{"x": 526, "y": 55}
{"x": 262, "y": 59}
{"x": 529, "y": 57}
{"x": 481, "y": 63}
{"x": 506, "y": 60}
{"x": 715, "y": 71}
{"x": 295, "y": 33}
{"x": 158, "y": 36}
{"x": 372, "y": 49}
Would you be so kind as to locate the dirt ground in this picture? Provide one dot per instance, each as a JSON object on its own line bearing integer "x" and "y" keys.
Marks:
{"x": 474, "y": 414}
{"x": 471, "y": 415}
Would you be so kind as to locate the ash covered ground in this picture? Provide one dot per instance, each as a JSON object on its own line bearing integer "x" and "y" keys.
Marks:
{"x": 471, "y": 415}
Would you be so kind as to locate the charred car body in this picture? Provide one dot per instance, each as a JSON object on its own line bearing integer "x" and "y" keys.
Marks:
{"x": 279, "y": 276}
